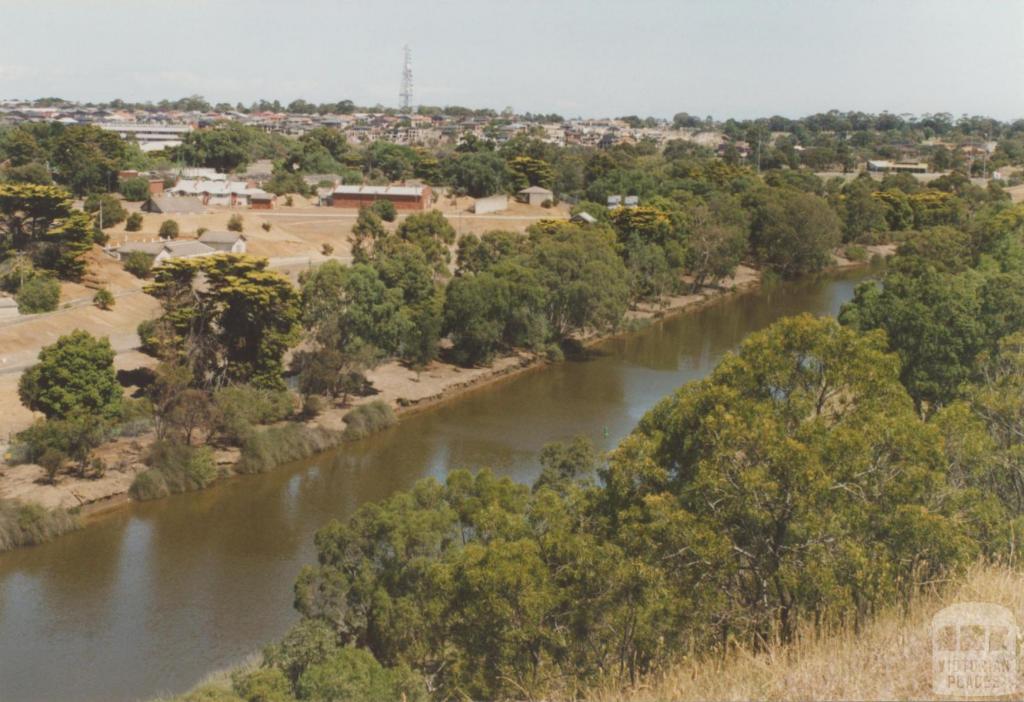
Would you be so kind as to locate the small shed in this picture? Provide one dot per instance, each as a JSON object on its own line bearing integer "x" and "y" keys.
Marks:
{"x": 536, "y": 195}
{"x": 583, "y": 218}
{"x": 261, "y": 200}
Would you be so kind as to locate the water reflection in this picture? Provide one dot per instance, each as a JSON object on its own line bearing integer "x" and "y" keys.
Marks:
{"x": 152, "y": 597}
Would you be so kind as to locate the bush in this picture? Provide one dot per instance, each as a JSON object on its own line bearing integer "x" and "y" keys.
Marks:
{"x": 169, "y": 229}
{"x": 39, "y": 294}
{"x": 235, "y": 223}
{"x": 174, "y": 468}
{"x": 147, "y": 337}
{"x": 856, "y": 253}
{"x": 104, "y": 299}
{"x": 266, "y": 226}
{"x": 385, "y": 209}
{"x": 100, "y": 237}
{"x": 368, "y": 419}
{"x": 312, "y": 406}
{"x": 134, "y": 222}
{"x": 265, "y": 449}
{"x": 326, "y": 249}
{"x": 138, "y": 263}
{"x": 107, "y": 208}
{"x": 52, "y": 461}
{"x": 26, "y": 524}
{"x": 240, "y": 407}
{"x": 288, "y": 201}
{"x": 134, "y": 189}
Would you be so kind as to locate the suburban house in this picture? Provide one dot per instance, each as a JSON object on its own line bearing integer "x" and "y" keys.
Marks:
{"x": 403, "y": 197}
{"x": 165, "y": 250}
{"x": 228, "y": 242}
{"x": 536, "y": 195}
{"x": 223, "y": 193}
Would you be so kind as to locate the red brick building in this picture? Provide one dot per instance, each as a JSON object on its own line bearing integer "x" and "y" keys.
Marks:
{"x": 404, "y": 197}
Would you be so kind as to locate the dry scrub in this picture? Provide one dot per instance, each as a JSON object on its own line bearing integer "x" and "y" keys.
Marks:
{"x": 889, "y": 660}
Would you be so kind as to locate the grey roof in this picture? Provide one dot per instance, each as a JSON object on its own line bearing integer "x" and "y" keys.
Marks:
{"x": 261, "y": 195}
{"x": 175, "y": 205}
{"x": 535, "y": 190}
{"x": 179, "y": 249}
{"x": 221, "y": 237}
{"x": 399, "y": 190}
{"x": 585, "y": 217}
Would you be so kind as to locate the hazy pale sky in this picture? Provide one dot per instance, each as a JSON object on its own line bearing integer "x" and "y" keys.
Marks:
{"x": 741, "y": 58}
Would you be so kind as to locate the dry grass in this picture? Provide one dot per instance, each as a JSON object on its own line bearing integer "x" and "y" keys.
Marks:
{"x": 889, "y": 660}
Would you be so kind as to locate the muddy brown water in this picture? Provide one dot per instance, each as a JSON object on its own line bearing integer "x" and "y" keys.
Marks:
{"x": 150, "y": 598}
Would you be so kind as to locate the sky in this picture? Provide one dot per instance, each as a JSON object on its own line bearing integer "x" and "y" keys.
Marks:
{"x": 596, "y": 58}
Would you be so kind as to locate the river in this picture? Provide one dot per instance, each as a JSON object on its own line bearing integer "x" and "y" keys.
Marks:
{"x": 150, "y": 598}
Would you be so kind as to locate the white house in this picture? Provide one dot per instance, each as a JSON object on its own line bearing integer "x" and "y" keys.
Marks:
{"x": 165, "y": 250}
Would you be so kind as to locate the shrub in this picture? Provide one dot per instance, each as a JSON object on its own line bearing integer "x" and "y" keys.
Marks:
{"x": 856, "y": 253}
{"x": 235, "y": 223}
{"x": 261, "y": 685}
{"x": 26, "y": 524}
{"x": 147, "y": 337}
{"x": 200, "y": 231}
{"x": 100, "y": 237}
{"x": 39, "y": 294}
{"x": 266, "y": 226}
{"x": 240, "y": 407}
{"x": 288, "y": 201}
{"x": 368, "y": 419}
{"x": 138, "y": 263}
{"x": 265, "y": 449}
{"x": 312, "y": 406}
{"x": 104, "y": 299}
{"x": 169, "y": 229}
{"x": 385, "y": 209}
{"x": 134, "y": 189}
{"x": 174, "y": 467}
{"x": 107, "y": 208}
{"x": 52, "y": 461}
{"x": 134, "y": 222}
{"x": 547, "y": 204}
{"x": 326, "y": 249}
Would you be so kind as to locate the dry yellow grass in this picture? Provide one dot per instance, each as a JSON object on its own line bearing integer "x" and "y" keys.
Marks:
{"x": 890, "y": 659}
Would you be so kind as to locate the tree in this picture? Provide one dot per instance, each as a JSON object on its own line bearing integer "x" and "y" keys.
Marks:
{"x": 134, "y": 222}
{"x": 39, "y": 220}
{"x": 478, "y": 174}
{"x": 227, "y": 147}
{"x": 433, "y": 234}
{"x": 933, "y": 321}
{"x": 713, "y": 251}
{"x": 40, "y": 293}
{"x": 169, "y": 229}
{"x": 138, "y": 263}
{"x": 235, "y": 223}
{"x": 134, "y": 189}
{"x": 385, "y": 209}
{"x": 367, "y": 232}
{"x": 75, "y": 374}
{"x": 792, "y": 232}
{"x": 86, "y": 158}
{"x": 237, "y": 327}
{"x": 586, "y": 282}
{"x": 107, "y": 208}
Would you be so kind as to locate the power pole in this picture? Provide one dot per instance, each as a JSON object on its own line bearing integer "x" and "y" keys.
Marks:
{"x": 405, "y": 96}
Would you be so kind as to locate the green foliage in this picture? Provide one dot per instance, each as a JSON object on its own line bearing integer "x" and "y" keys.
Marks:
{"x": 53, "y": 442}
{"x": 792, "y": 232}
{"x": 368, "y": 419}
{"x": 385, "y": 209}
{"x": 40, "y": 293}
{"x": 134, "y": 222}
{"x": 107, "y": 209}
{"x": 134, "y": 189}
{"x": 174, "y": 468}
{"x": 354, "y": 675}
{"x": 75, "y": 374}
{"x": 39, "y": 220}
{"x": 433, "y": 234}
{"x": 236, "y": 328}
{"x": 235, "y": 223}
{"x": 138, "y": 263}
{"x": 169, "y": 229}
{"x": 238, "y": 408}
{"x": 265, "y": 449}
{"x": 104, "y": 299}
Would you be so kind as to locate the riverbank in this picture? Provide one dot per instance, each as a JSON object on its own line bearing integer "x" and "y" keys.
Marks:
{"x": 404, "y": 390}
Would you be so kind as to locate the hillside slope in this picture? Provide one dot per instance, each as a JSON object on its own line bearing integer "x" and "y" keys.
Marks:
{"x": 890, "y": 659}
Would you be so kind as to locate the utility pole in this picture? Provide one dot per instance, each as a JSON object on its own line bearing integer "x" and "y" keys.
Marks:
{"x": 405, "y": 96}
